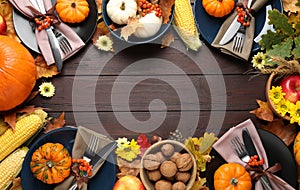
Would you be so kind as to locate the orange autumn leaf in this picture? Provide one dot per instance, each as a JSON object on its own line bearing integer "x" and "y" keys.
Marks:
{"x": 99, "y": 5}
{"x": 166, "y": 40}
{"x": 57, "y": 123}
{"x": 17, "y": 185}
{"x": 43, "y": 70}
{"x": 100, "y": 30}
{"x": 263, "y": 112}
{"x": 166, "y": 7}
{"x": 128, "y": 168}
{"x": 286, "y": 133}
{"x": 6, "y": 10}
{"x": 11, "y": 117}
{"x": 290, "y": 6}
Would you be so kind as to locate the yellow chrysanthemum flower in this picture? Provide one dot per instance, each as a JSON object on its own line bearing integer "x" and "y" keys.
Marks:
{"x": 104, "y": 43}
{"x": 295, "y": 112}
{"x": 129, "y": 151}
{"x": 259, "y": 60}
{"x": 122, "y": 142}
{"x": 282, "y": 108}
{"x": 47, "y": 89}
{"x": 276, "y": 94}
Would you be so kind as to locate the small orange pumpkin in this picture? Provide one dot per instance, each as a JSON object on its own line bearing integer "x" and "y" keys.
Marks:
{"x": 232, "y": 176}
{"x": 17, "y": 73}
{"x": 72, "y": 11}
{"x": 51, "y": 163}
{"x": 297, "y": 149}
{"x": 218, "y": 8}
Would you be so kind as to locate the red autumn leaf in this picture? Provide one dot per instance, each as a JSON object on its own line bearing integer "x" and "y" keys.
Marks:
{"x": 11, "y": 117}
{"x": 263, "y": 112}
{"x": 286, "y": 133}
{"x": 144, "y": 143}
{"x": 57, "y": 123}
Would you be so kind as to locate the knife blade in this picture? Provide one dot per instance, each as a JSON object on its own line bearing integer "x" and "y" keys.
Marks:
{"x": 250, "y": 147}
{"x": 232, "y": 29}
{"x": 103, "y": 153}
{"x": 54, "y": 45}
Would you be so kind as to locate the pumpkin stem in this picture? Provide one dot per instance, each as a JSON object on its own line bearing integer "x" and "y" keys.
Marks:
{"x": 234, "y": 181}
{"x": 122, "y": 6}
{"x": 50, "y": 164}
{"x": 73, "y": 5}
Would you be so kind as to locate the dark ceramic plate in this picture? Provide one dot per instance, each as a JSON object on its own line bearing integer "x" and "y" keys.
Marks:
{"x": 277, "y": 152}
{"x": 132, "y": 39}
{"x": 104, "y": 178}
{"x": 209, "y": 26}
{"x": 84, "y": 29}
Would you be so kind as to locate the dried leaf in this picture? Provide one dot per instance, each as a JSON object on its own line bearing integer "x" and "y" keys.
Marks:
{"x": 6, "y": 10}
{"x": 206, "y": 142}
{"x": 11, "y": 117}
{"x": 128, "y": 168}
{"x": 166, "y": 7}
{"x": 43, "y": 70}
{"x": 263, "y": 112}
{"x": 199, "y": 184}
{"x": 290, "y": 5}
{"x": 32, "y": 96}
{"x": 17, "y": 185}
{"x": 57, "y": 123}
{"x": 100, "y": 31}
{"x": 99, "y": 5}
{"x": 167, "y": 39}
{"x": 130, "y": 28}
{"x": 144, "y": 143}
{"x": 286, "y": 133}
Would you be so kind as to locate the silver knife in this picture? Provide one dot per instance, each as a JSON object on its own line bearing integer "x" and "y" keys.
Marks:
{"x": 250, "y": 147}
{"x": 266, "y": 26}
{"x": 232, "y": 29}
{"x": 51, "y": 36}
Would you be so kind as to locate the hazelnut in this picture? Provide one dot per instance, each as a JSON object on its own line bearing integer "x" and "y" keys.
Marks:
{"x": 160, "y": 157}
{"x": 183, "y": 176}
{"x": 163, "y": 185}
{"x": 175, "y": 156}
{"x": 151, "y": 162}
{"x": 184, "y": 162}
{"x": 168, "y": 169}
{"x": 167, "y": 149}
{"x": 154, "y": 175}
{"x": 179, "y": 186}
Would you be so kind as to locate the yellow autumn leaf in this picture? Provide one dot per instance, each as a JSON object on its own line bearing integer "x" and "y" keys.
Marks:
{"x": 43, "y": 70}
{"x": 290, "y": 5}
{"x": 206, "y": 142}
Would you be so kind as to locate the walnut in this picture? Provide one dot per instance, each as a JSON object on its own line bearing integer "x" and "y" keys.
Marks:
{"x": 183, "y": 176}
{"x": 163, "y": 185}
{"x": 160, "y": 157}
{"x": 175, "y": 156}
{"x": 168, "y": 169}
{"x": 167, "y": 150}
{"x": 179, "y": 186}
{"x": 151, "y": 162}
{"x": 184, "y": 162}
{"x": 154, "y": 175}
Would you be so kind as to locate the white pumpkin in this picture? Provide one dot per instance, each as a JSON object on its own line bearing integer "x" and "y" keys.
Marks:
{"x": 120, "y": 10}
{"x": 151, "y": 25}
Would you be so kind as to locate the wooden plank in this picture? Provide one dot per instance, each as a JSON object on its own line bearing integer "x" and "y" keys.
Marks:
{"x": 136, "y": 93}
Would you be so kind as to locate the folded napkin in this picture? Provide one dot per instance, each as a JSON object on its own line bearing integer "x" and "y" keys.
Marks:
{"x": 41, "y": 36}
{"x": 224, "y": 148}
{"x": 81, "y": 140}
{"x": 227, "y": 48}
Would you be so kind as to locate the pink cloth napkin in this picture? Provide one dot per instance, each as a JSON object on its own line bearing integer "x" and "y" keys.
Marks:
{"x": 41, "y": 36}
{"x": 224, "y": 148}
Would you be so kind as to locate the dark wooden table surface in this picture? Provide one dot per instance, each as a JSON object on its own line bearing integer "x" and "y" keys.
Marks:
{"x": 147, "y": 89}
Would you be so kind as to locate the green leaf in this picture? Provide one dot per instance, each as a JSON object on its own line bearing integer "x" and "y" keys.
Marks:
{"x": 270, "y": 38}
{"x": 296, "y": 50}
{"x": 280, "y": 22}
{"x": 282, "y": 49}
{"x": 298, "y": 3}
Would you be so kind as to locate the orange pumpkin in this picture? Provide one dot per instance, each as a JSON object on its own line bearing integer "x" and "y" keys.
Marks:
{"x": 72, "y": 11}
{"x": 297, "y": 149}
{"x": 232, "y": 176}
{"x": 17, "y": 73}
{"x": 218, "y": 8}
{"x": 51, "y": 163}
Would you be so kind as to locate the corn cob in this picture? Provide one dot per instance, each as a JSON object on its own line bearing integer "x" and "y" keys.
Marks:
{"x": 184, "y": 24}
{"x": 26, "y": 127}
{"x": 11, "y": 166}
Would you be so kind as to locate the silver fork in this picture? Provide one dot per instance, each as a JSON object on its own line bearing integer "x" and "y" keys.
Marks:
{"x": 238, "y": 40}
{"x": 89, "y": 153}
{"x": 64, "y": 44}
{"x": 242, "y": 153}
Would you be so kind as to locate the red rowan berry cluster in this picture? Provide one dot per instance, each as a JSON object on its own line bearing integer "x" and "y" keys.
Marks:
{"x": 43, "y": 23}
{"x": 84, "y": 167}
{"x": 147, "y": 7}
{"x": 254, "y": 162}
{"x": 243, "y": 18}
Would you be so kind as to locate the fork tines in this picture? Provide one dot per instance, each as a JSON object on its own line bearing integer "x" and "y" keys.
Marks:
{"x": 237, "y": 145}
